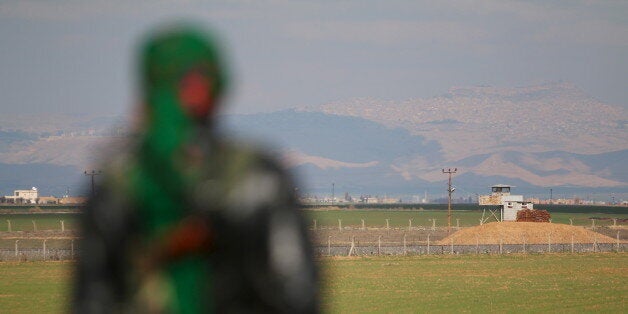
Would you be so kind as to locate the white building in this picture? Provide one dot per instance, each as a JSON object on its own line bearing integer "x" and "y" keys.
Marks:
{"x": 29, "y": 196}
{"x": 509, "y": 204}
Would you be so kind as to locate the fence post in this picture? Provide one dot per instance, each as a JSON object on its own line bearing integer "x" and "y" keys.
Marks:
{"x": 16, "y": 241}
{"x": 62, "y": 225}
{"x": 45, "y": 249}
{"x": 500, "y": 245}
{"x": 451, "y": 250}
{"x": 379, "y": 245}
{"x": 458, "y": 223}
{"x": 34, "y": 225}
{"x": 329, "y": 246}
{"x": 405, "y": 252}
{"x": 618, "y": 241}
{"x": 314, "y": 224}
{"x": 572, "y": 242}
{"x": 594, "y": 243}
{"x": 549, "y": 243}
{"x": 571, "y": 221}
{"x": 614, "y": 222}
{"x": 524, "y": 244}
{"x": 477, "y": 245}
{"x": 409, "y": 224}
{"x": 387, "y": 225}
{"x": 9, "y": 223}
{"x": 363, "y": 227}
{"x": 72, "y": 249}
{"x": 433, "y": 224}
{"x": 428, "y": 244}
{"x": 352, "y": 246}
{"x": 339, "y": 224}
{"x": 592, "y": 223}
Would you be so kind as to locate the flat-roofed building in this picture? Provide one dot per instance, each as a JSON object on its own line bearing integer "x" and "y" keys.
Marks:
{"x": 27, "y": 196}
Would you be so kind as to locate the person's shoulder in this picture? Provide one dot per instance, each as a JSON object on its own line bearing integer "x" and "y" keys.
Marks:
{"x": 254, "y": 156}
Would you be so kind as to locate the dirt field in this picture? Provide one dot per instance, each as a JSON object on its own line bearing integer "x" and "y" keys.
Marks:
{"x": 525, "y": 232}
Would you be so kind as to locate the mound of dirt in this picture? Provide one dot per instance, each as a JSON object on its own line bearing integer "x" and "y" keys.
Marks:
{"x": 525, "y": 232}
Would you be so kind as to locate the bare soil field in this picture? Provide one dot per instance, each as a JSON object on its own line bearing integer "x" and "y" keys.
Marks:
{"x": 525, "y": 232}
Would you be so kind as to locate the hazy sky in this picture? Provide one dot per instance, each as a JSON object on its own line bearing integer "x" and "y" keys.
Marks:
{"x": 78, "y": 56}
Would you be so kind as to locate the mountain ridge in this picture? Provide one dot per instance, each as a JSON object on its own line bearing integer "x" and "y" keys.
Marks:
{"x": 536, "y": 137}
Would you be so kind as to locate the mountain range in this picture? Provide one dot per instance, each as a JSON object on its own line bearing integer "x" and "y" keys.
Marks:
{"x": 538, "y": 137}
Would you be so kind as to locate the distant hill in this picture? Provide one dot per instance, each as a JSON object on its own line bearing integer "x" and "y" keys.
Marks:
{"x": 360, "y": 155}
{"x": 536, "y": 137}
{"x": 479, "y": 120}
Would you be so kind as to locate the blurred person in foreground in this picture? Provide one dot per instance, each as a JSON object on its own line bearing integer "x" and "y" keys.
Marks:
{"x": 184, "y": 221}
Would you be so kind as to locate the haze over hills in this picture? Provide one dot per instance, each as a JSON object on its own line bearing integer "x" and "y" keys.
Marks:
{"x": 550, "y": 135}
{"x": 479, "y": 120}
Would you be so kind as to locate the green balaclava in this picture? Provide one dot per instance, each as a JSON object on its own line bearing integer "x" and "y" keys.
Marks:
{"x": 183, "y": 79}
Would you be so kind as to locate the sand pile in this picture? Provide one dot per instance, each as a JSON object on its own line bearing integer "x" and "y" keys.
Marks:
{"x": 528, "y": 232}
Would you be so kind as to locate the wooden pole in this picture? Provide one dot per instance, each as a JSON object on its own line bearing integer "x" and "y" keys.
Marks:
{"x": 352, "y": 246}
{"x": 314, "y": 224}
{"x": 9, "y": 225}
{"x": 617, "y": 241}
{"x": 428, "y": 244}
{"x": 72, "y": 249}
{"x": 45, "y": 249}
{"x": 405, "y": 252}
{"x": 329, "y": 246}
{"x": 451, "y": 250}
{"x": 387, "y": 225}
{"x": 549, "y": 243}
{"x": 500, "y": 245}
{"x": 34, "y": 225}
{"x": 572, "y": 235}
{"x": 379, "y": 245}
{"x": 594, "y": 243}
{"x": 16, "y": 241}
{"x": 363, "y": 227}
{"x": 339, "y": 225}
{"x": 62, "y": 225}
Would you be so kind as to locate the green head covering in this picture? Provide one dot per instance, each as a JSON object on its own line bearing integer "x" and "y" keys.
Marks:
{"x": 182, "y": 72}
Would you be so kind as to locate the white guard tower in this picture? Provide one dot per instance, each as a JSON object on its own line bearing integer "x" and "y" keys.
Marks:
{"x": 508, "y": 205}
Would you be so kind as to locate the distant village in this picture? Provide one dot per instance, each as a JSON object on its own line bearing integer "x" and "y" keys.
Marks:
{"x": 375, "y": 199}
{"x": 31, "y": 196}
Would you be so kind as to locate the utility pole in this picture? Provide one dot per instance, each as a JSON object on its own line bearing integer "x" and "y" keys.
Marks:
{"x": 551, "y": 196}
{"x": 333, "y": 193}
{"x": 92, "y": 174}
{"x": 449, "y": 191}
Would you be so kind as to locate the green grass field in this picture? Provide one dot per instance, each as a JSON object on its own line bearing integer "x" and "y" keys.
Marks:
{"x": 35, "y": 287}
{"x": 48, "y": 221}
{"x": 467, "y": 214}
{"x": 520, "y": 283}
{"x": 468, "y": 218}
{"x": 469, "y": 283}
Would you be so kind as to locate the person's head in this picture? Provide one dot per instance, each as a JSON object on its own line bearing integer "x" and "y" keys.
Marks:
{"x": 182, "y": 75}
